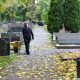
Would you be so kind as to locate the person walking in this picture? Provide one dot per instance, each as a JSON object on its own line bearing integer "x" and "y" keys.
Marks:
{"x": 27, "y": 35}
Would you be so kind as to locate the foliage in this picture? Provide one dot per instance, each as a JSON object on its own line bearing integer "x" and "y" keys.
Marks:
{"x": 6, "y": 60}
{"x": 24, "y": 9}
{"x": 9, "y": 13}
{"x": 55, "y": 16}
{"x": 65, "y": 69}
{"x": 71, "y": 15}
{"x": 41, "y": 11}
{"x": 65, "y": 12}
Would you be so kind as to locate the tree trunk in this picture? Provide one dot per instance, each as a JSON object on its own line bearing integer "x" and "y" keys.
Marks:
{"x": 52, "y": 37}
{"x": 0, "y": 17}
{"x": 32, "y": 8}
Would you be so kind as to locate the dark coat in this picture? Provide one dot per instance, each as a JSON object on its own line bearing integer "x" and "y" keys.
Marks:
{"x": 27, "y": 33}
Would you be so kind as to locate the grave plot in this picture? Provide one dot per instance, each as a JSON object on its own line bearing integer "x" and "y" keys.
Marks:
{"x": 67, "y": 40}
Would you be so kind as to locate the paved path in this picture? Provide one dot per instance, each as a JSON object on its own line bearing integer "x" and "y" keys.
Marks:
{"x": 40, "y": 43}
{"x": 39, "y": 64}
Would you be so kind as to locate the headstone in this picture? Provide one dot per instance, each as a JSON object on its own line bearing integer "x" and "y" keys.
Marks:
{"x": 78, "y": 67}
{"x": 4, "y": 46}
{"x": 62, "y": 30}
{"x": 4, "y": 35}
{"x": 68, "y": 38}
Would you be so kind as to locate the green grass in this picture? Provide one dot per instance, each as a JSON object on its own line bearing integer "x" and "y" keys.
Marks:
{"x": 6, "y": 60}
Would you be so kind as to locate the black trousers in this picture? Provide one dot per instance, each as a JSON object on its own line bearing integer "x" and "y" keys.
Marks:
{"x": 27, "y": 42}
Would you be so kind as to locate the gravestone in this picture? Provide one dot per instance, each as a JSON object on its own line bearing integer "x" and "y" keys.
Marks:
{"x": 67, "y": 40}
{"x": 11, "y": 36}
{"x": 5, "y": 35}
{"x": 4, "y": 46}
{"x": 78, "y": 67}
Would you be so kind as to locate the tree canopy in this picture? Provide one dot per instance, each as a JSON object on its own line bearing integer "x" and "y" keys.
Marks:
{"x": 55, "y": 16}
{"x": 15, "y": 9}
{"x": 65, "y": 12}
{"x": 20, "y": 10}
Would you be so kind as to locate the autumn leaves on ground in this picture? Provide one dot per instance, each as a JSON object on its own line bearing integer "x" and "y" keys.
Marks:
{"x": 42, "y": 64}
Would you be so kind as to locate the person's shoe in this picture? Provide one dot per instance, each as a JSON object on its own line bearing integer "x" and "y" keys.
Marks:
{"x": 27, "y": 53}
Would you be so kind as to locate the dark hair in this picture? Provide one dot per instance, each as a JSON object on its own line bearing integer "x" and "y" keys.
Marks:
{"x": 25, "y": 24}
